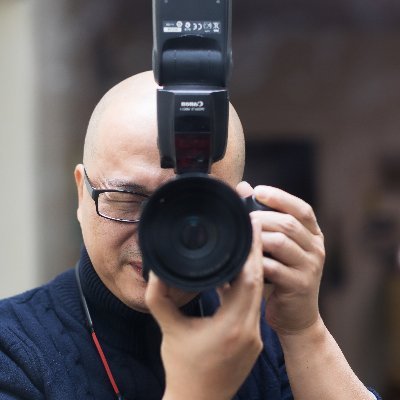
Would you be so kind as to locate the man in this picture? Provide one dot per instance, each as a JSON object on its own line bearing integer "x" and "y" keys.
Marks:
{"x": 213, "y": 345}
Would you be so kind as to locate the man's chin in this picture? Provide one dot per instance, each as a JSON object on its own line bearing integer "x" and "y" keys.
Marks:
{"x": 134, "y": 294}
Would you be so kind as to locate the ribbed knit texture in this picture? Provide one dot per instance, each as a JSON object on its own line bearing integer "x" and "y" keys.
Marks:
{"x": 46, "y": 351}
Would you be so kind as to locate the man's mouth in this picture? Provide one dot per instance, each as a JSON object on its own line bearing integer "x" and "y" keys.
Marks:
{"x": 137, "y": 267}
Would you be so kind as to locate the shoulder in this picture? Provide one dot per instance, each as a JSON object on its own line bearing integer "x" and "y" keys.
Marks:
{"x": 27, "y": 318}
{"x": 17, "y": 311}
{"x": 30, "y": 338}
{"x": 20, "y": 309}
{"x": 19, "y": 355}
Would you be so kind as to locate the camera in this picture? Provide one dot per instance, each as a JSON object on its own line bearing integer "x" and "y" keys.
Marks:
{"x": 195, "y": 231}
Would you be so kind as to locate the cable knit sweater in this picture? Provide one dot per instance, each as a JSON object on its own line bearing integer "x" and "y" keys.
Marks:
{"x": 46, "y": 351}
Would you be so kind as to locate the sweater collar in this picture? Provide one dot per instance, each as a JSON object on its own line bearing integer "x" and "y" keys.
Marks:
{"x": 115, "y": 322}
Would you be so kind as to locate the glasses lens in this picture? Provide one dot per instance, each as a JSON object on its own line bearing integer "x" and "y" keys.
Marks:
{"x": 121, "y": 205}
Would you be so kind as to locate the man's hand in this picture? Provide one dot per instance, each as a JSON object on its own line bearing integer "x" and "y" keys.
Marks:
{"x": 294, "y": 241}
{"x": 209, "y": 358}
{"x": 295, "y": 244}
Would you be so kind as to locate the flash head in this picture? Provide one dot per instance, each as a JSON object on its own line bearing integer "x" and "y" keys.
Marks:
{"x": 192, "y": 42}
{"x": 192, "y": 59}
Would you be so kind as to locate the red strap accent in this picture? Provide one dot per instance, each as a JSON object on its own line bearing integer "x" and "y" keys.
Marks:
{"x": 105, "y": 364}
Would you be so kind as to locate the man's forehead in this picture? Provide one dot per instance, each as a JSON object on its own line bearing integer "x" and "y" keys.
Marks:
{"x": 127, "y": 114}
{"x": 124, "y": 127}
{"x": 127, "y": 119}
{"x": 139, "y": 92}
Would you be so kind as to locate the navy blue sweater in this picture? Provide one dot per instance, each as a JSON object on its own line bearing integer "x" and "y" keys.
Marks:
{"x": 46, "y": 351}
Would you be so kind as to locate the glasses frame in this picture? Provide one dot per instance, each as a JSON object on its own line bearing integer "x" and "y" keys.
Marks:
{"x": 95, "y": 193}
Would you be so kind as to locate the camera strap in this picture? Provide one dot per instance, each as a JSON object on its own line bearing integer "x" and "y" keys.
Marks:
{"x": 96, "y": 342}
{"x": 94, "y": 337}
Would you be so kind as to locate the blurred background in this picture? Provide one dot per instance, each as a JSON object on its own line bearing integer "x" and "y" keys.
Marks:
{"x": 317, "y": 86}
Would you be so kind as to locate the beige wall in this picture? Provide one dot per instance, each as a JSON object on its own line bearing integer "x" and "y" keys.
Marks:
{"x": 18, "y": 247}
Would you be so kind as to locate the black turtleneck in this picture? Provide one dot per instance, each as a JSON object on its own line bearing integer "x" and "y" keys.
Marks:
{"x": 47, "y": 352}
{"x": 122, "y": 330}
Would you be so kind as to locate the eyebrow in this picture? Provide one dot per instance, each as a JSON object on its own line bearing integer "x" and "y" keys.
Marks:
{"x": 126, "y": 185}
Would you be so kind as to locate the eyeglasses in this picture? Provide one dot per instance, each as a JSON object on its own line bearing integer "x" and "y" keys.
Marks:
{"x": 115, "y": 204}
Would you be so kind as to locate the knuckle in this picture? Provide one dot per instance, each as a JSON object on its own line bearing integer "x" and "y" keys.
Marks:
{"x": 255, "y": 343}
{"x": 252, "y": 281}
{"x": 240, "y": 337}
{"x": 319, "y": 251}
{"x": 315, "y": 271}
{"x": 312, "y": 274}
{"x": 259, "y": 344}
{"x": 272, "y": 266}
{"x": 242, "y": 332}
{"x": 289, "y": 224}
{"x": 307, "y": 213}
{"x": 234, "y": 334}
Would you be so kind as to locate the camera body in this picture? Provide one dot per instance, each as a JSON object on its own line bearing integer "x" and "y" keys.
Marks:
{"x": 195, "y": 231}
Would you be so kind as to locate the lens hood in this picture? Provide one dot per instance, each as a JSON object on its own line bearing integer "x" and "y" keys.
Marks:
{"x": 195, "y": 232}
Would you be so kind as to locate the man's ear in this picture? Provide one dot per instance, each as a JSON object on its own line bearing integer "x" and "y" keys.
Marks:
{"x": 78, "y": 173}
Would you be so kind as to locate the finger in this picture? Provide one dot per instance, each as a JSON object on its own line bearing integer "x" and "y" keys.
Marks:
{"x": 289, "y": 204}
{"x": 280, "y": 275}
{"x": 160, "y": 304}
{"x": 245, "y": 292}
{"x": 283, "y": 249}
{"x": 287, "y": 224}
{"x": 221, "y": 290}
{"x": 268, "y": 290}
{"x": 244, "y": 189}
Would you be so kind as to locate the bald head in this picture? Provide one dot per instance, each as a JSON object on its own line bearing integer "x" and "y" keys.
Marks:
{"x": 121, "y": 153}
{"x": 131, "y": 106}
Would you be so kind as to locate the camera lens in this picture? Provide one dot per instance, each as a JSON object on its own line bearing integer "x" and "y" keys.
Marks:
{"x": 195, "y": 232}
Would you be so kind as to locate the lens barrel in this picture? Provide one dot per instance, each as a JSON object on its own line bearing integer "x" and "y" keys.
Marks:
{"x": 195, "y": 233}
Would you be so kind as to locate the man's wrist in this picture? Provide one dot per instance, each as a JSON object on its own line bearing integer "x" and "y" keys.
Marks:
{"x": 313, "y": 335}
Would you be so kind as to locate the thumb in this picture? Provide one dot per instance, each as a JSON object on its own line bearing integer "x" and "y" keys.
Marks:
{"x": 244, "y": 189}
{"x": 160, "y": 304}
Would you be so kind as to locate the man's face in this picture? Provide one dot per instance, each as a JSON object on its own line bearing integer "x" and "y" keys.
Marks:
{"x": 124, "y": 156}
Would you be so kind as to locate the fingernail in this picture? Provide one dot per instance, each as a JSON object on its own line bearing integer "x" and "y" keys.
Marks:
{"x": 241, "y": 183}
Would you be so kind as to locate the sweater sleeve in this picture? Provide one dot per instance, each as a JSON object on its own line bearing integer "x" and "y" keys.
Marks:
{"x": 19, "y": 370}
{"x": 375, "y": 394}
{"x": 273, "y": 358}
